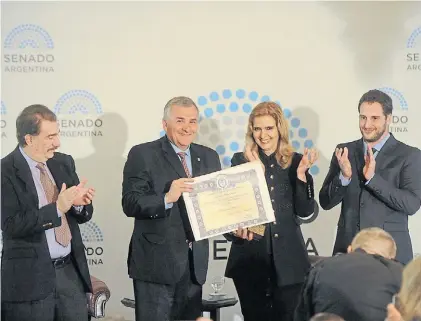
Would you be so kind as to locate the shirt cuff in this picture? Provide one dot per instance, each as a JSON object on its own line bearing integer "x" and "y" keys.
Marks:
{"x": 344, "y": 181}
{"x": 78, "y": 208}
{"x": 59, "y": 213}
{"x": 368, "y": 181}
{"x": 167, "y": 205}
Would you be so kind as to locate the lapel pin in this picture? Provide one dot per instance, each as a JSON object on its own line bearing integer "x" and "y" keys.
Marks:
{"x": 198, "y": 159}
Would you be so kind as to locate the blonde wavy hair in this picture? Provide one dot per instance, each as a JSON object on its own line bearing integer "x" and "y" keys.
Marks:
{"x": 409, "y": 296}
{"x": 284, "y": 151}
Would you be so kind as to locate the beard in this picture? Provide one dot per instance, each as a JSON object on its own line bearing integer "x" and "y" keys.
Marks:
{"x": 375, "y": 136}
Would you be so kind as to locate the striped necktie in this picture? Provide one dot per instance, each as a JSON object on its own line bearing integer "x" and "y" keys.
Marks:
{"x": 62, "y": 232}
{"x": 183, "y": 161}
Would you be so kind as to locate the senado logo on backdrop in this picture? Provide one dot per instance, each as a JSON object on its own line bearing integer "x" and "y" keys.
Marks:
{"x": 400, "y": 111}
{"x": 28, "y": 48}
{"x": 78, "y": 112}
{"x": 413, "y": 55}
{"x": 93, "y": 237}
{"x": 3, "y": 120}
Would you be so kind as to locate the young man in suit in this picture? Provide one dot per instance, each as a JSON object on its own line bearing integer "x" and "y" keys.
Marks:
{"x": 44, "y": 272}
{"x": 167, "y": 266}
{"x": 377, "y": 179}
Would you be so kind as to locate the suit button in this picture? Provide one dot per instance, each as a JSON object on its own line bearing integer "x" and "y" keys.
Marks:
{"x": 272, "y": 200}
{"x": 187, "y": 241}
{"x": 274, "y": 223}
{"x": 275, "y": 235}
{"x": 362, "y": 204}
{"x": 358, "y": 225}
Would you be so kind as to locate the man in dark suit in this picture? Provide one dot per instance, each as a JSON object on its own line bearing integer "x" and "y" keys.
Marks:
{"x": 356, "y": 286}
{"x": 44, "y": 271}
{"x": 377, "y": 179}
{"x": 167, "y": 266}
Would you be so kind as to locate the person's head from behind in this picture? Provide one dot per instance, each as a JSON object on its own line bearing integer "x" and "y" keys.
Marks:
{"x": 408, "y": 301}
{"x": 37, "y": 132}
{"x": 268, "y": 129}
{"x": 326, "y": 317}
{"x": 180, "y": 121}
{"x": 375, "y": 109}
{"x": 374, "y": 240}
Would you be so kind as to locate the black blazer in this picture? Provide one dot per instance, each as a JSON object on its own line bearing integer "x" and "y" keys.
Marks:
{"x": 356, "y": 286}
{"x": 26, "y": 268}
{"x": 386, "y": 201}
{"x": 289, "y": 252}
{"x": 158, "y": 250}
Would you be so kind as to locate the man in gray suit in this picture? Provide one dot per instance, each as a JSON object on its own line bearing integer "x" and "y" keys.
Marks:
{"x": 377, "y": 179}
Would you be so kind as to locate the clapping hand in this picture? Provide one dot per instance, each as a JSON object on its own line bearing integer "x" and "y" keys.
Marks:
{"x": 370, "y": 164}
{"x": 343, "y": 161}
{"x": 310, "y": 156}
{"x": 84, "y": 195}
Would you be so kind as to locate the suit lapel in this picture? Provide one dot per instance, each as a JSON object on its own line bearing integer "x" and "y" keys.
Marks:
{"x": 196, "y": 161}
{"x": 57, "y": 172}
{"x": 385, "y": 152}
{"x": 23, "y": 172}
{"x": 172, "y": 158}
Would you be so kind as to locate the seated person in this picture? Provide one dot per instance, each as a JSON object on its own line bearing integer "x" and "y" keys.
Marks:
{"x": 407, "y": 303}
{"x": 356, "y": 286}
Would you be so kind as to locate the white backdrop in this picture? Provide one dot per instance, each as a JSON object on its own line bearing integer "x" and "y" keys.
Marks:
{"x": 108, "y": 68}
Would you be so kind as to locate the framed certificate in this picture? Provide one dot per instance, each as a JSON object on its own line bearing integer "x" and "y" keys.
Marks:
{"x": 228, "y": 199}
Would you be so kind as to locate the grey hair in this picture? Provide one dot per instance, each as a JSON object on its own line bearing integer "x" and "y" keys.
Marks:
{"x": 325, "y": 316}
{"x": 178, "y": 101}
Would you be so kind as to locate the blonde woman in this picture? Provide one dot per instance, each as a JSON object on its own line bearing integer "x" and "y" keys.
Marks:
{"x": 268, "y": 272}
{"x": 407, "y": 305}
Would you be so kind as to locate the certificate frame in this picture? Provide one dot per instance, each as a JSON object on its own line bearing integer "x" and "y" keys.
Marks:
{"x": 217, "y": 196}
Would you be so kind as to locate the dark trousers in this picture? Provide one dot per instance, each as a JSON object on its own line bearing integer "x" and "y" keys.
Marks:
{"x": 162, "y": 302}
{"x": 262, "y": 299}
{"x": 67, "y": 303}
